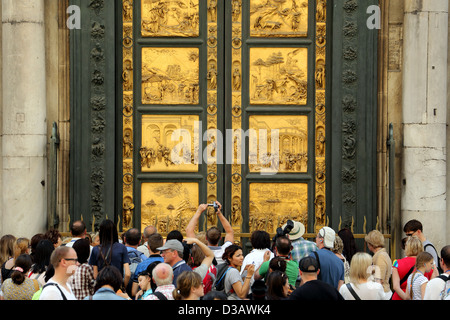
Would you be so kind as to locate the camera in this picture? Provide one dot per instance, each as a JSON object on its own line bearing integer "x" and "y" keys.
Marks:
{"x": 288, "y": 228}
{"x": 282, "y": 232}
{"x": 215, "y": 205}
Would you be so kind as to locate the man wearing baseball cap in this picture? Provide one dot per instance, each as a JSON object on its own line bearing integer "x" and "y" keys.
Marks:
{"x": 312, "y": 288}
{"x": 331, "y": 267}
{"x": 172, "y": 253}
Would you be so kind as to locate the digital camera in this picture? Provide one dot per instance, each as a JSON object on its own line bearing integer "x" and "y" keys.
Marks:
{"x": 215, "y": 205}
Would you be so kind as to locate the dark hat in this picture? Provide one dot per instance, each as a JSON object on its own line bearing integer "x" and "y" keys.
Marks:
{"x": 259, "y": 289}
{"x": 308, "y": 264}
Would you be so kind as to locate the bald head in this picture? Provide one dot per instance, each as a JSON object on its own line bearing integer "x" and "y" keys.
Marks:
{"x": 148, "y": 231}
{"x": 78, "y": 228}
{"x": 162, "y": 274}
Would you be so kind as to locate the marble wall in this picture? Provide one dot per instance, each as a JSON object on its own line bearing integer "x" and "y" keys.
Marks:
{"x": 24, "y": 131}
{"x": 424, "y": 108}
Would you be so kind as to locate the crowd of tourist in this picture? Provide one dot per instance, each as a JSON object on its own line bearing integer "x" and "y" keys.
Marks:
{"x": 185, "y": 265}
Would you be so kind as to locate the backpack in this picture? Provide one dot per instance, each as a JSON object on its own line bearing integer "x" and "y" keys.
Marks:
{"x": 438, "y": 258}
{"x": 135, "y": 258}
{"x": 38, "y": 293}
{"x": 446, "y": 290}
{"x": 159, "y": 295}
{"x": 219, "y": 281}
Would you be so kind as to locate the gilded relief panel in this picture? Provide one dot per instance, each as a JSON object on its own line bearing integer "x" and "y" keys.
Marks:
{"x": 272, "y": 204}
{"x": 278, "y": 76}
{"x": 236, "y": 113}
{"x": 127, "y": 114}
{"x": 320, "y": 116}
{"x": 168, "y": 206}
{"x": 212, "y": 108}
{"x": 169, "y": 143}
{"x": 274, "y": 18}
{"x": 285, "y": 152}
{"x": 170, "y": 76}
{"x": 167, "y": 18}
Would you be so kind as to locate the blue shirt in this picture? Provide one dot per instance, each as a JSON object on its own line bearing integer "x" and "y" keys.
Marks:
{"x": 331, "y": 267}
{"x": 105, "y": 294}
{"x": 144, "y": 264}
{"x": 118, "y": 256}
{"x": 178, "y": 268}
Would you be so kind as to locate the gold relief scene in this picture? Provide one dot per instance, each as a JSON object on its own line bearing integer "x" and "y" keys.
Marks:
{"x": 170, "y": 75}
{"x": 289, "y": 147}
{"x": 168, "y": 143}
{"x": 278, "y": 18}
{"x": 278, "y": 76}
{"x": 272, "y": 204}
{"x": 168, "y": 206}
{"x": 168, "y": 18}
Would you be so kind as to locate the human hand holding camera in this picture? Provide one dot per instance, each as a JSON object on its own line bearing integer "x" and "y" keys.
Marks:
{"x": 217, "y": 206}
{"x": 202, "y": 207}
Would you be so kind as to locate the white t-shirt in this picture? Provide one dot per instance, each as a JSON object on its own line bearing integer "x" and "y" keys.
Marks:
{"x": 434, "y": 288}
{"x": 256, "y": 257}
{"x": 218, "y": 251}
{"x": 366, "y": 291}
{"x": 71, "y": 242}
{"x": 417, "y": 282}
{"x": 52, "y": 292}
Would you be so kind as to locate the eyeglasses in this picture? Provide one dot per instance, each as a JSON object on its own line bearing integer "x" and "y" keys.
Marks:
{"x": 409, "y": 234}
{"x": 69, "y": 259}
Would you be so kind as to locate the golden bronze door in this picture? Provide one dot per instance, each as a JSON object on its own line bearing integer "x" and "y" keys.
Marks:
{"x": 224, "y": 100}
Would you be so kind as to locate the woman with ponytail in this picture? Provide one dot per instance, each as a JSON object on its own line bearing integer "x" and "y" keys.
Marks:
{"x": 19, "y": 286}
{"x": 189, "y": 286}
{"x": 417, "y": 281}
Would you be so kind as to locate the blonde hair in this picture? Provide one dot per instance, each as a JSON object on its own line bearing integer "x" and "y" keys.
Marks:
{"x": 375, "y": 239}
{"x": 413, "y": 247}
{"x": 338, "y": 245}
{"x": 202, "y": 237}
{"x": 7, "y": 248}
{"x": 360, "y": 267}
{"x": 22, "y": 246}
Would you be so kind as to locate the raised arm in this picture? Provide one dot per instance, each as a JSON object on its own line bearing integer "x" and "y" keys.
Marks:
{"x": 209, "y": 254}
{"x": 190, "y": 229}
{"x": 229, "y": 232}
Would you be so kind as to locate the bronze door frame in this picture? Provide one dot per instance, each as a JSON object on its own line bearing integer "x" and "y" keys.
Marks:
{"x": 230, "y": 181}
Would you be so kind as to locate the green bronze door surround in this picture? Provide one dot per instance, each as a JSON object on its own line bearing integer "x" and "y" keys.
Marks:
{"x": 97, "y": 117}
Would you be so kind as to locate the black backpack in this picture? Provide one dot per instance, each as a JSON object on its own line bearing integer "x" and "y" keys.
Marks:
{"x": 57, "y": 286}
{"x": 219, "y": 281}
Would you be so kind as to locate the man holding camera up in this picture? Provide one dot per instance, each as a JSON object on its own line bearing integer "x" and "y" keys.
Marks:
{"x": 213, "y": 234}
